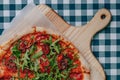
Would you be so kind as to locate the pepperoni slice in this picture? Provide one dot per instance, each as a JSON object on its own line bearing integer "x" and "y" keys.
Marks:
{"x": 26, "y": 71}
{"x": 69, "y": 53}
{"x": 44, "y": 61}
{"x": 45, "y": 48}
{"x": 44, "y": 64}
{"x": 59, "y": 57}
{"x": 23, "y": 46}
{"x": 62, "y": 62}
{"x": 9, "y": 62}
{"x": 76, "y": 70}
{"x": 77, "y": 62}
{"x": 76, "y": 76}
{"x": 41, "y": 37}
{"x": 5, "y": 78}
{"x": 42, "y": 69}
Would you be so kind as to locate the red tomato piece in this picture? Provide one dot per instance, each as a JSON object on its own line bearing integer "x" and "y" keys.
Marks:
{"x": 5, "y": 78}
{"x": 41, "y": 37}
{"x": 76, "y": 76}
{"x": 11, "y": 66}
{"x": 48, "y": 70}
{"x": 42, "y": 69}
{"x": 26, "y": 71}
{"x": 77, "y": 62}
{"x": 44, "y": 62}
{"x": 69, "y": 53}
{"x": 23, "y": 46}
{"x": 59, "y": 57}
{"x": 76, "y": 70}
{"x": 62, "y": 62}
{"x": 45, "y": 48}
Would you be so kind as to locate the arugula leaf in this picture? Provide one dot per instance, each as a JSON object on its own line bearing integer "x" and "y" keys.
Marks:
{"x": 32, "y": 37}
{"x": 36, "y": 66}
{"x": 16, "y": 52}
{"x": 13, "y": 78}
{"x": 48, "y": 41}
{"x": 39, "y": 76}
{"x": 55, "y": 46}
{"x": 32, "y": 49}
{"x": 25, "y": 60}
{"x": 63, "y": 76}
{"x": 17, "y": 62}
{"x": 37, "y": 55}
{"x": 54, "y": 43}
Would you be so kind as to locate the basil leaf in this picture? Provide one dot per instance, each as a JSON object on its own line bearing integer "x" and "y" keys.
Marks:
{"x": 37, "y": 55}
{"x": 15, "y": 51}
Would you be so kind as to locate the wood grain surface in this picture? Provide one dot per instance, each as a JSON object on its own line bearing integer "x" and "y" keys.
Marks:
{"x": 81, "y": 36}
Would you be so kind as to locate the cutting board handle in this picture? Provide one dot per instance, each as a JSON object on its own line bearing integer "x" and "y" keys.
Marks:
{"x": 98, "y": 22}
{"x": 81, "y": 38}
{"x": 86, "y": 32}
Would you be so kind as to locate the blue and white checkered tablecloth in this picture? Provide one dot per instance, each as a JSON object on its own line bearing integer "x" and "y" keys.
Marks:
{"x": 105, "y": 44}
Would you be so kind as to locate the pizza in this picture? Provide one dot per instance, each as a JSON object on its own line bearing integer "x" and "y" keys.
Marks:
{"x": 41, "y": 54}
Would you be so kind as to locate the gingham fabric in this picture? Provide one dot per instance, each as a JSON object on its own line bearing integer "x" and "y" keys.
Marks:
{"x": 105, "y": 44}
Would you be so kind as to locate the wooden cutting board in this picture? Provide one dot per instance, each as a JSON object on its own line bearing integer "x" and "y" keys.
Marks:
{"x": 81, "y": 36}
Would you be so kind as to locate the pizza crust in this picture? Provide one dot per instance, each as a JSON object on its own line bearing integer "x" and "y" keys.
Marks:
{"x": 5, "y": 45}
{"x": 86, "y": 67}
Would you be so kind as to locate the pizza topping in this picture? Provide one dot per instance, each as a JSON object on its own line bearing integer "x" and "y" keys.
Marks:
{"x": 38, "y": 56}
{"x": 16, "y": 52}
{"x": 41, "y": 37}
{"x": 5, "y": 78}
{"x": 11, "y": 66}
{"x": 2, "y": 68}
{"x": 59, "y": 57}
{"x": 62, "y": 62}
{"x": 44, "y": 61}
{"x": 45, "y": 49}
{"x": 26, "y": 72}
{"x": 70, "y": 53}
{"x": 76, "y": 76}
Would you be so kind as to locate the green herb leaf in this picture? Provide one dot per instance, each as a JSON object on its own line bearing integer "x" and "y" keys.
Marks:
{"x": 37, "y": 55}
{"x": 32, "y": 49}
{"x": 25, "y": 60}
{"x": 54, "y": 43}
{"x": 36, "y": 66}
{"x": 56, "y": 46}
{"x": 48, "y": 41}
{"x": 15, "y": 51}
